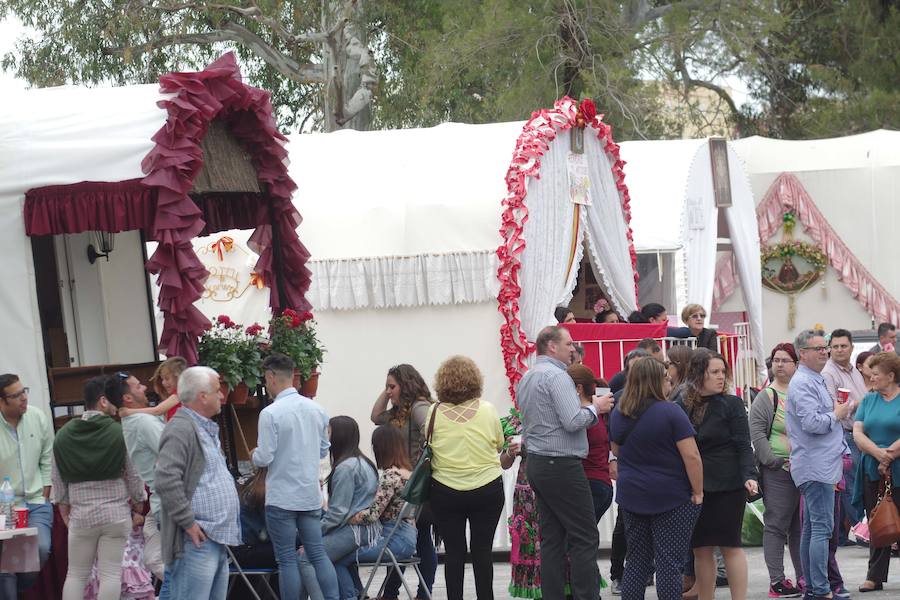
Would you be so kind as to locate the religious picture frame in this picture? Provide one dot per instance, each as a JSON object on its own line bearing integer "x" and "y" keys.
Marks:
{"x": 721, "y": 178}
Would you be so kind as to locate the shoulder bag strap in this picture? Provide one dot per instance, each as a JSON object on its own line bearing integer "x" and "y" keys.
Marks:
{"x": 774, "y": 410}
{"x": 431, "y": 425}
{"x": 409, "y": 431}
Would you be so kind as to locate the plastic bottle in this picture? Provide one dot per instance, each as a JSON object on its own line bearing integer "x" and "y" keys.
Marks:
{"x": 7, "y": 502}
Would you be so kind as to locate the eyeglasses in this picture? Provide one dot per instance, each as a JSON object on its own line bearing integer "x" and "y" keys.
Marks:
{"x": 782, "y": 361}
{"x": 817, "y": 348}
{"x": 23, "y": 392}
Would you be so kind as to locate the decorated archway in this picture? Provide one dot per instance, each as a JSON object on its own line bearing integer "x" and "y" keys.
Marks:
{"x": 161, "y": 205}
{"x": 565, "y": 186}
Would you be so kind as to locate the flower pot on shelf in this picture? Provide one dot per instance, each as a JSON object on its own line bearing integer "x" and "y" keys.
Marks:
{"x": 308, "y": 387}
{"x": 239, "y": 394}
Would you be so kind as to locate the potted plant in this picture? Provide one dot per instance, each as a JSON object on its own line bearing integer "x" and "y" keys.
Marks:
{"x": 293, "y": 334}
{"x": 234, "y": 353}
{"x": 250, "y": 355}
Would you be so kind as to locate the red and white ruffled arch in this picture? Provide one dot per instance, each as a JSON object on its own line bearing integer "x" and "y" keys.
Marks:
{"x": 543, "y": 230}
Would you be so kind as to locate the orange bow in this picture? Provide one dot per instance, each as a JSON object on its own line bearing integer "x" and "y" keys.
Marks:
{"x": 225, "y": 243}
{"x": 257, "y": 280}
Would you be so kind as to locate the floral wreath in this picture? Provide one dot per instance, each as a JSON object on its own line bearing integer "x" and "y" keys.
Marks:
{"x": 811, "y": 253}
{"x": 534, "y": 141}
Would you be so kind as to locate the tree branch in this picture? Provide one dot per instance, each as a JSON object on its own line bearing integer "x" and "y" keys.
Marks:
{"x": 233, "y": 32}
{"x": 690, "y": 82}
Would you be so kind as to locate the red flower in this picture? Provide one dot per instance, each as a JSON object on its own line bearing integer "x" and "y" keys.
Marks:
{"x": 289, "y": 312}
{"x": 223, "y": 320}
{"x": 306, "y": 316}
{"x": 254, "y": 329}
{"x": 588, "y": 109}
{"x": 295, "y": 321}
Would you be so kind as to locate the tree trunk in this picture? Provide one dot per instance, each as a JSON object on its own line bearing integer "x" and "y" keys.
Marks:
{"x": 349, "y": 71}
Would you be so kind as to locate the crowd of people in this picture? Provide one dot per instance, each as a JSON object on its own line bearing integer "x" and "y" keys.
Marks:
{"x": 821, "y": 440}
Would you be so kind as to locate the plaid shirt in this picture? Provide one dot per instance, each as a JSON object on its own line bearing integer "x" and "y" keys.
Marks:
{"x": 97, "y": 503}
{"x": 215, "y": 502}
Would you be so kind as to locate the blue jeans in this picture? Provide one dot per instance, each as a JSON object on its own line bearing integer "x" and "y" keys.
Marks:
{"x": 338, "y": 543}
{"x": 428, "y": 565}
{"x": 602, "y": 494}
{"x": 40, "y": 516}
{"x": 199, "y": 573}
{"x": 283, "y": 527}
{"x": 403, "y": 545}
{"x": 818, "y": 524}
{"x": 853, "y": 515}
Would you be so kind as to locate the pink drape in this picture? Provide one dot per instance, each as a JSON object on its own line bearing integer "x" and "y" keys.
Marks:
{"x": 787, "y": 193}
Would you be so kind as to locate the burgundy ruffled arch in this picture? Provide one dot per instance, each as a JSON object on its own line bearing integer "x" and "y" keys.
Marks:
{"x": 172, "y": 165}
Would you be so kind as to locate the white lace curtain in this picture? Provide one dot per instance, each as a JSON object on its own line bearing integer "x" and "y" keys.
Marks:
{"x": 549, "y": 243}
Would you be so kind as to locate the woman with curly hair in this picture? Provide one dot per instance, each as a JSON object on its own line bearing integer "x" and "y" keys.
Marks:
{"x": 409, "y": 398}
{"x": 466, "y": 482}
{"x": 723, "y": 436}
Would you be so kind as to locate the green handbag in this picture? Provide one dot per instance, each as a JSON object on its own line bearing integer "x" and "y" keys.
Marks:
{"x": 416, "y": 489}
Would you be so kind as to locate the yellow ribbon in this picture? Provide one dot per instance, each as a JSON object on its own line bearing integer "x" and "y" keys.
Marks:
{"x": 223, "y": 242}
{"x": 257, "y": 280}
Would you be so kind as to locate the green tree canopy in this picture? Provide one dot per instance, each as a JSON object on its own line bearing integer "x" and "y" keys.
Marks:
{"x": 656, "y": 68}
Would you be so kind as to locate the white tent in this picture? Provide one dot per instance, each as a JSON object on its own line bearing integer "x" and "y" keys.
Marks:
{"x": 64, "y": 135}
{"x": 855, "y": 183}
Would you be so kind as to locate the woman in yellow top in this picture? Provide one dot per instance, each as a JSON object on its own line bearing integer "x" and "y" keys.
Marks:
{"x": 466, "y": 482}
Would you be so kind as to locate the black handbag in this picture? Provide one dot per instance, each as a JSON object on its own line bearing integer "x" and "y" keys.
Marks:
{"x": 419, "y": 484}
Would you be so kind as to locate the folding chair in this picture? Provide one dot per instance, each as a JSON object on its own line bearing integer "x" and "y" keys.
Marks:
{"x": 408, "y": 511}
{"x": 235, "y": 569}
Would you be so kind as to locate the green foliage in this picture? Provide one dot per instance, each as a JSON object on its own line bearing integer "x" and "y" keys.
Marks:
{"x": 233, "y": 352}
{"x": 294, "y": 335}
{"x": 831, "y": 69}
{"x": 656, "y": 69}
{"x": 123, "y": 41}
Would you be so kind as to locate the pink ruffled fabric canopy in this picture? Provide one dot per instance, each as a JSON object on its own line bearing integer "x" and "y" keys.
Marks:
{"x": 160, "y": 203}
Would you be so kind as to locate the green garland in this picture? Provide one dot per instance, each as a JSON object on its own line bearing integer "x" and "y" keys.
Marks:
{"x": 811, "y": 253}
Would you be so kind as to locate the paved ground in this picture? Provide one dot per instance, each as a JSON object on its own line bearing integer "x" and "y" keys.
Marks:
{"x": 852, "y": 562}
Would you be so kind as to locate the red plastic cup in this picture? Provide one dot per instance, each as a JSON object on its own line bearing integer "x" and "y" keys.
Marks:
{"x": 843, "y": 394}
{"x": 21, "y": 517}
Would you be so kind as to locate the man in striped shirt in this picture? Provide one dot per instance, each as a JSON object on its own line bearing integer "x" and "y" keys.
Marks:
{"x": 554, "y": 435}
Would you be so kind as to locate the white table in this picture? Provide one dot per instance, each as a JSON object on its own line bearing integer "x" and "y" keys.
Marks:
{"x": 19, "y": 550}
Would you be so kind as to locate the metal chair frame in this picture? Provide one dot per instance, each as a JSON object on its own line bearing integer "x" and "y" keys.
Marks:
{"x": 264, "y": 574}
{"x": 408, "y": 511}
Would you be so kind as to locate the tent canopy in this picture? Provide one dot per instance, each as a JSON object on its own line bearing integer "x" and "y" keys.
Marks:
{"x": 381, "y": 192}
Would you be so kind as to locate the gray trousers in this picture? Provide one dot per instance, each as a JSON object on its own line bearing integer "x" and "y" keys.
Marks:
{"x": 782, "y": 522}
{"x": 567, "y": 527}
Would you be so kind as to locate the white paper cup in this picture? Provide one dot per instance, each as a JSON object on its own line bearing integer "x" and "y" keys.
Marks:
{"x": 516, "y": 439}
